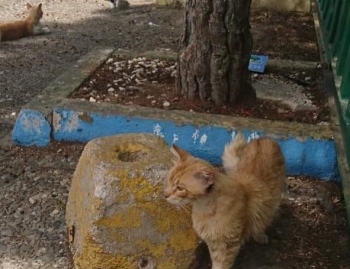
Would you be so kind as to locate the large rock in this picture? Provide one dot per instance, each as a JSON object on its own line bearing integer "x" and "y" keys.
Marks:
{"x": 116, "y": 214}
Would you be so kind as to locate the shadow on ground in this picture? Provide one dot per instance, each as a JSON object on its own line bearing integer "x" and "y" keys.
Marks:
{"x": 28, "y": 65}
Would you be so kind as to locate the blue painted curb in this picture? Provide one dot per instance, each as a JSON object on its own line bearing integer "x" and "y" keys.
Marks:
{"x": 31, "y": 129}
{"x": 311, "y": 157}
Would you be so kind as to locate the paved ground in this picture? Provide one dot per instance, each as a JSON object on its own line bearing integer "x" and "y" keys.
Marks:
{"x": 28, "y": 65}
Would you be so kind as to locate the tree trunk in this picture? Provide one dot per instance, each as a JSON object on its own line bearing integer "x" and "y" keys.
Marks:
{"x": 215, "y": 51}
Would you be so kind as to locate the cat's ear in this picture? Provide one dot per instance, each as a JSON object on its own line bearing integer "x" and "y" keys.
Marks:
{"x": 180, "y": 154}
{"x": 29, "y": 6}
{"x": 40, "y": 5}
{"x": 206, "y": 176}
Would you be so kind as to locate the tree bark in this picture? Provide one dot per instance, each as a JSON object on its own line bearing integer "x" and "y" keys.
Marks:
{"x": 215, "y": 50}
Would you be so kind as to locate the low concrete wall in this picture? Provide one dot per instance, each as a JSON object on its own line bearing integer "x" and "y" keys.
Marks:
{"x": 287, "y": 5}
{"x": 308, "y": 149}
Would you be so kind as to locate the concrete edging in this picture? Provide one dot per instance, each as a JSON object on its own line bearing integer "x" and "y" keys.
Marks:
{"x": 33, "y": 124}
{"x": 309, "y": 149}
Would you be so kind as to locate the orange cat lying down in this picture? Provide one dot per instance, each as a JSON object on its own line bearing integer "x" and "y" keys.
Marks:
{"x": 230, "y": 208}
{"x": 30, "y": 26}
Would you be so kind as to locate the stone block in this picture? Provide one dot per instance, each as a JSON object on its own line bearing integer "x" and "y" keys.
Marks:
{"x": 116, "y": 213}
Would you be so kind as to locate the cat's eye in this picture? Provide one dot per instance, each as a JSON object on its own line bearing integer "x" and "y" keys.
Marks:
{"x": 179, "y": 188}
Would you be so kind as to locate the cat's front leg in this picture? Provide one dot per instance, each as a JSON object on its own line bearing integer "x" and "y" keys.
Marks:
{"x": 45, "y": 30}
{"x": 261, "y": 238}
{"x": 40, "y": 30}
{"x": 223, "y": 254}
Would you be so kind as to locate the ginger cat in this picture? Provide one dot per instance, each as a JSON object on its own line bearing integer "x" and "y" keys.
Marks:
{"x": 30, "y": 26}
{"x": 230, "y": 208}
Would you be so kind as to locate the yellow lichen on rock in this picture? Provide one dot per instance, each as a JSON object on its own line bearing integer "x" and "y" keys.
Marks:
{"x": 118, "y": 211}
{"x": 93, "y": 256}
{"x": 128, "y": 219}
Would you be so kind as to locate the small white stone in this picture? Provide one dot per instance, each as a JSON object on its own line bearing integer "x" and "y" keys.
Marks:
{"x": 150, "y": 97}
{"x": 54, "y": 212}
{"x": 255, "y": 75}
{"x": 154, "y": 82}
{"x": 110, "y": 60}
{"x": 13, "y": 114}
{"x": 121, "y": 89}
{"x": 153, "y": 102}
{"x": 138, "y": 81}
{"x": 117, "y": 70}
{"x": 166, "y": 104}
{"x": 111, "y": 89}
{"x": 173, "y": 74}
{"x": 32, "y": 200}
{"x": 319, "y": 66}
{"x": 323, "y": 123}
{"x": 92, "y": 100}
{"x": 307, "y": 78}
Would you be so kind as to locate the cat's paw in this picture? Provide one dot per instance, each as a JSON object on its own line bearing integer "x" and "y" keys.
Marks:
{"x": 261, "y": 239}
{"x": 46, "y": 30}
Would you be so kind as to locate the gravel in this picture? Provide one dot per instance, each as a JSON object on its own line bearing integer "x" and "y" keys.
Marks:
{"x": 34, "y": 188}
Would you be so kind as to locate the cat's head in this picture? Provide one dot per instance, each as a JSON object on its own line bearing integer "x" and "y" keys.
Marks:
{"x": 35, "y": 12}
{"x": 189, "y": 179}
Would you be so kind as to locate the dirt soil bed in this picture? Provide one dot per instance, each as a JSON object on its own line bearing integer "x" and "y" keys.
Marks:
{"x": 284, "y": 35}
{"x": 151, "y": 83}
{"x": 278, "y": 34}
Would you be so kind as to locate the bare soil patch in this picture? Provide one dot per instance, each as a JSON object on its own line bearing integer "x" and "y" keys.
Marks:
{"x": 278, "y": 34}
{"x": 284, "y": 35}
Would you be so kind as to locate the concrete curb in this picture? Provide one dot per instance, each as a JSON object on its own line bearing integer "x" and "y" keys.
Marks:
{"x": 309, "y": 149}
{"x": 33, "y": 124}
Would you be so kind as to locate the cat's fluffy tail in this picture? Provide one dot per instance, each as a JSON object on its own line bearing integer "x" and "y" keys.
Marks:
{"x": 232, "y": 152}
